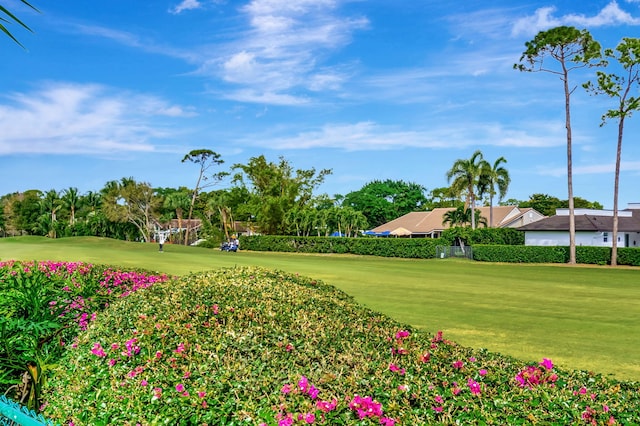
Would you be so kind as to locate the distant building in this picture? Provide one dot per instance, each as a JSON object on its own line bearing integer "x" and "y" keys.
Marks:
{"x": 593, "y": 228}
{"x": 429, "y": 224}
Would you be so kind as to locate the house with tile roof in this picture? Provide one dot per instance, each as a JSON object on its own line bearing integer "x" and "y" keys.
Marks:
{"x": 593, "y": 228}
{"x": 429, "y": 224}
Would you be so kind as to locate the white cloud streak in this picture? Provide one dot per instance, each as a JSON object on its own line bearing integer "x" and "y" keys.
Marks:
{"x": 543, "y": 19}
{"x": 370, "y": 136}
{"x": 185, "y": 5}
{"x": 283, "y": 51}
{"x": 82, "y": 119}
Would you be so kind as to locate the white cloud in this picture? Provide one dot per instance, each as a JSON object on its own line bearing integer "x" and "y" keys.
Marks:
{"x": 284, "y": 49}
{"x": 370, "y": 136}
{"x": 185, "y": 5}
{"x": 65, "y": 118}
{"x": 544, "y": 19}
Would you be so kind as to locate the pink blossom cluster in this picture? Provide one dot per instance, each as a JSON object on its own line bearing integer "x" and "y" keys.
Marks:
{"x": 535, "y": 375}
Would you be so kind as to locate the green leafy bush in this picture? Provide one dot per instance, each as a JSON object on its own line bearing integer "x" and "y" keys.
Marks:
{"x": 259, "y": 347}
{"x": 521, "y": 254}
{"x": 423, "y": 248}
{"x": 43, "y": 306}
{"x": 495, "y": 236}
{"x": 554, "y": 254}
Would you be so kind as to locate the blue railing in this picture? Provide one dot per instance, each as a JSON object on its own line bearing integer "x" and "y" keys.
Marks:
{"x": 12, "y": 414}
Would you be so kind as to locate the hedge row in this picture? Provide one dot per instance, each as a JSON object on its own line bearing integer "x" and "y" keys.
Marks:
{"x": 554, "y": 254}
{"x": 421, "y": 248}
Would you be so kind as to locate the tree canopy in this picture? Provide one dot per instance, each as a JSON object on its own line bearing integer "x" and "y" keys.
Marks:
{"x": 382, "y": 201}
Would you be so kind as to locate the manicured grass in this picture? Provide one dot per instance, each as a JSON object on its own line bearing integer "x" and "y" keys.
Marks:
{"x": 581, "y": 317}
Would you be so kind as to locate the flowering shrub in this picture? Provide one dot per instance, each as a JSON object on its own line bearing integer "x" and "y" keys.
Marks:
{"x": 43, "y": 306}
{"x": 259, "y": 347}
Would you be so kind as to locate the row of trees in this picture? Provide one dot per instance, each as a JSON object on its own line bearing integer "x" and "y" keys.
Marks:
{"x": 269, "y": 197}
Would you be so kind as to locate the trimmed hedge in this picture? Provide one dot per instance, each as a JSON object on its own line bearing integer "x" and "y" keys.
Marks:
{"x": 420, "y": 248}
{"x": 554, "y": 254}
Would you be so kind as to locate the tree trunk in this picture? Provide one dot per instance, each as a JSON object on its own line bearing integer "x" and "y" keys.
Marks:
{"x": 572, "y": 218}
{"x": 614, "y": 243}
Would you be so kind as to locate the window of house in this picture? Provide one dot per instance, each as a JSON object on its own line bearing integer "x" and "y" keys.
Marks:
{"x": 605, "y": 237}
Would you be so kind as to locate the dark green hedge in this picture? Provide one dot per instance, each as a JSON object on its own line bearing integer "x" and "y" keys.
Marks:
{"x": 422, "y": 248}
{"x": 554, "y": 254}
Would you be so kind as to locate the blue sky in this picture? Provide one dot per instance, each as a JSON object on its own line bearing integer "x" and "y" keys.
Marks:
{"x": 372, "y": 89}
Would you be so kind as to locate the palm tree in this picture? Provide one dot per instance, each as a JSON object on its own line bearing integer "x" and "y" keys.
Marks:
{"x": 467, "y": 178}
{"x": 51, "y": 204}
{"x": 71, "y": 200}
{"x": 6, "y": 16}
{"x": 459, "y": 216}
{"x": 178, "y": 201}
{"x": 495, "y": 177}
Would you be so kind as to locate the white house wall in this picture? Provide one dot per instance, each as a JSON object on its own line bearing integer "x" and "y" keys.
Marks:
{"x": 592, "y": 239}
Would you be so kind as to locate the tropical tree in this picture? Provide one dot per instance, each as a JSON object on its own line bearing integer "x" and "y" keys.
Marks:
{"x": 205, "y": 159}
{"x": 275, "y": 189}
{"x": 496, "y": 181}
{"x": 383, "y": 201}
{"x": 571, "y": 49}
{"x": 466, "y": 177}
{"x": 178, "y": 201}
{"x": 6, "y": 17}
{"x": 457, "y": 217}
{"x": 627, "y": 54}
{"x": 443, "y": 197}
{"x": 131, "y": 202}
{"x": 51, "y": 204}
{"x": 71, "y": 200}
{"x": 462, "y": 216}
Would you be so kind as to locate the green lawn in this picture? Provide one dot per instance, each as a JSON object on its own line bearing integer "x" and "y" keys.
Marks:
{"x": 580, "y": 317}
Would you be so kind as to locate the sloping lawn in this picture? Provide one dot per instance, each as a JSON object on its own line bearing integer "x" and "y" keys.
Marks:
{"x": 585, "y": 318}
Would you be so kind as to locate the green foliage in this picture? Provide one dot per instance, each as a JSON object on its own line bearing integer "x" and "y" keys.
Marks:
{"x": 520, "y": 254}
{"x": 42, "y": 308}
{"x": 383, "y": 201}
{"x": 422, "y": 248}
{"x": 498, "y": 236}
{"x": 276, "y": 189}
{"x": 629, "y": 256}
{"x": 7, "y": 16}
{"x": 258, "y": 346}
{"x": 554, "y": 254}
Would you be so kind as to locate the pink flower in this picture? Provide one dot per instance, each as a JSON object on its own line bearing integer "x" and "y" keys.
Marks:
{"x": 482, "y": 372}
{"x": 180, "y": 348}
{"x": 458, "y": 364}
{"x": 425, "y": 357}
{"x": 396, "y": 369}
{"x": 387, "y": 421}
{"x": 158, "y": 354}
{"x": 186, "y": 375}
{"x": 546, "y": 363}
{"x": 438, "y": 409}
{"x": 303, "y": 384}
{"x": 98, "y": 351}
{"x": 202, "y": 394}
{"x": 180, "y": 387}
{"x": 474, "y": 387}
{"x": 309, "y": 418}
{"x": 403, "y": 388}
{"x": 143, "y": 382}
{"x": 157, "y": 393}
{"x": 286, "y": 389}
{"x": 327, "y": 406}
{"x": 402, "y": 334}
{"x": 439, "y": 399}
